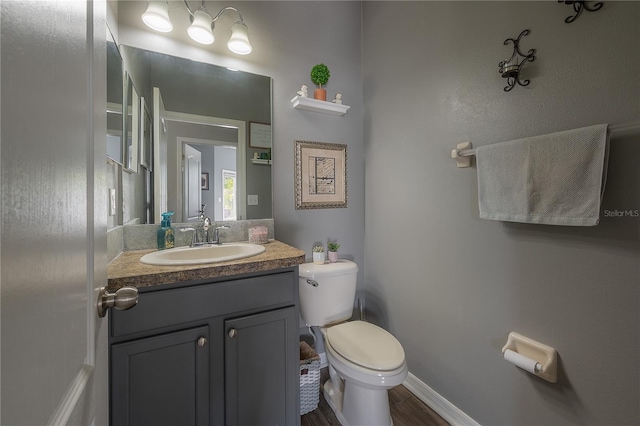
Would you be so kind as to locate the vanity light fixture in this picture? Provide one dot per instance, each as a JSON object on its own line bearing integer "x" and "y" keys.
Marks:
{"x": 157, "y": 16}
{"x": 510, "y": 68}
{"x": 202, "y": 24}
{"x": 577, "y": 8}
{"x": 201, "y": 27}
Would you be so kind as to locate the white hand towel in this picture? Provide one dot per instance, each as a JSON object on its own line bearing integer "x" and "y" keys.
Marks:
{"x": 555, "y": 179}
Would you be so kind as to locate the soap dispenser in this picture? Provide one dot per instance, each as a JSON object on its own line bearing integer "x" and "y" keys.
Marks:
{"x": 165, "y": 232}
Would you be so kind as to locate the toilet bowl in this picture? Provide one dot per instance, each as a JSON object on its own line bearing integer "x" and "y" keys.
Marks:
{"x": 364, "y": 359}
{"x": 367, "y": 361}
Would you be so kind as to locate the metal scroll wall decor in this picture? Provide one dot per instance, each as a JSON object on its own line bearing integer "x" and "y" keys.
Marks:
{"x": 510, "y": 68}
{"x": 578, "y": 6}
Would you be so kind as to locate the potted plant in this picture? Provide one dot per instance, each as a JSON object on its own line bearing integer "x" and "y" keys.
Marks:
{"x": 320, "y": 75}
{"x": 318, "y": 255}
{"x": 332, "y": 248}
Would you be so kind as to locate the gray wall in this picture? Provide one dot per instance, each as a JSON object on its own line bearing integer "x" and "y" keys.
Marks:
{"x": 451, "y": 286}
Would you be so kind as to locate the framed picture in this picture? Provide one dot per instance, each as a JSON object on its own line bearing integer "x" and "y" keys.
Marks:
{"x": 259, "y": 135}
{"x": 131, "y": 127}
{"x": 204, "y": 181}
{"x": 146, "y": 141}
{"x": 321, "y": 175}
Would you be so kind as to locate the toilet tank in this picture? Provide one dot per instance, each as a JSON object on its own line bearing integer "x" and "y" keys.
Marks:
{"x": 331, "y": 300}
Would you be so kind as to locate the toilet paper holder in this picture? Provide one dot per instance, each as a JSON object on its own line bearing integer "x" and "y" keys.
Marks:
{"x": 531, "y": 352}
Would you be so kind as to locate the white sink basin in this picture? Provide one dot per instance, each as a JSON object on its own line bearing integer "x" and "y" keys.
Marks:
{"x": 203, "y": 254}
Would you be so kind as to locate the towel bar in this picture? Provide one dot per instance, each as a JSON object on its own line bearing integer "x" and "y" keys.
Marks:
{"x": 464, "y": 151}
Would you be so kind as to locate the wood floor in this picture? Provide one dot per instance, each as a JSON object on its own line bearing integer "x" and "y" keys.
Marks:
{"x": 406, "y": 410}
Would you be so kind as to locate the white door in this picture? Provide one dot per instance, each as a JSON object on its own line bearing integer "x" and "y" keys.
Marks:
{"x": 160, "y": 156}
{"x": 53, "y": 230}
{"x": 193, "y": 182}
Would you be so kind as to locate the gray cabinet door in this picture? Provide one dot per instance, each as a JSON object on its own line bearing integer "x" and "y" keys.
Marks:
{"x": 262, "y": 369}
{"x": 161, "y": 380}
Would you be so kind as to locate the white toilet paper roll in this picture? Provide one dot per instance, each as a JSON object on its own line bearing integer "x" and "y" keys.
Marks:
{"x": 527, "y": 364}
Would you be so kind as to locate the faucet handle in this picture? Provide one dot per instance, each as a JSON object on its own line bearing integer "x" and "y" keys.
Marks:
{"x": 216, "y": 235}
{"x": 194, "y": 236}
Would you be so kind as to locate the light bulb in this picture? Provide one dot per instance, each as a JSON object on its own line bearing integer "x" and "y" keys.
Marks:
{"x": 239, "y": 41}
{"x": 157, "y": 16}
{"x": 200, "y": 29}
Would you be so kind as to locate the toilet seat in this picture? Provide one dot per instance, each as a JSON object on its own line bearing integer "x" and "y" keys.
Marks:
{"x": 366, "y": 345}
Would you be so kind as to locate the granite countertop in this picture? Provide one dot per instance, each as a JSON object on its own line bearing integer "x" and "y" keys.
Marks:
{"x": 127, "y": 270}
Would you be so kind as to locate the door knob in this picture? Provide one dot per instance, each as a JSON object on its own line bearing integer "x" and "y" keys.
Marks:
{"x": 202, "y": 342}
{"x": 124, "y": 298}
{"x": 233, "y": 333}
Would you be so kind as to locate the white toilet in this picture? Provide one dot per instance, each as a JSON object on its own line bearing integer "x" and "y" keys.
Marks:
{"x": 364, "y": 359}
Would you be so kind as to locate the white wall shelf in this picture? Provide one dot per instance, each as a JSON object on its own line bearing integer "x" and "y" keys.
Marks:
{"x": 309, "y": 104}
{"x": 260, "y": 161}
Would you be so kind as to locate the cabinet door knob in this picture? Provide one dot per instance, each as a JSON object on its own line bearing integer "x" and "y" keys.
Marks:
{"x": 202, "y": 342}
{"x": 233, "y": 333}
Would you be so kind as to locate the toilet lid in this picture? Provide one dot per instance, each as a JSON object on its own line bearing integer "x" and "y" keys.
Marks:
{"x": 366, "y": 344}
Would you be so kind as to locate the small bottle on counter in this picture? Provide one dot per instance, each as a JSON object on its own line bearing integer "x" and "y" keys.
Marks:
{"x": 165, "y": 232}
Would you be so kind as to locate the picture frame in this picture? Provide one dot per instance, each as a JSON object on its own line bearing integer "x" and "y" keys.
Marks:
{"x": 146, "y": 139}
{"x": 320, "y": 175}
{"x": 131, "y": 130}
{"x": 259, "y": 135}
{"x": 204, "y": 181}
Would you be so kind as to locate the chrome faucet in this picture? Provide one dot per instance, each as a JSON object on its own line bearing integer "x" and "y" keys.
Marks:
{"x": 216, "y": 236}
{"x": 195, "y": 239}
{"x": 206, "y": 224}
{"x": 201, "y": 216}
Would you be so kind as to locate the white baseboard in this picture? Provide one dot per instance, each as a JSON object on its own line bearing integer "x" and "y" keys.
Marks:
{"x": 72, "y": 405}
{"x": 437, "y": 402}
{"x": 445, "y": 409}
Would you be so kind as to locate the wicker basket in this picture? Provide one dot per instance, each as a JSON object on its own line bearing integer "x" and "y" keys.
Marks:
{"x": 309, "y": 378}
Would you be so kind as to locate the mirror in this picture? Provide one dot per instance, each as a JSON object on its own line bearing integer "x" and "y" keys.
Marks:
{"x": 115, "y": 91}
{"x": 211, "y": 109}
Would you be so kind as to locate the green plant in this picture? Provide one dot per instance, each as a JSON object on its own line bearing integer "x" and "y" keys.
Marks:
{"x": 318, "y": 249}
{"x": 332, "y": 246}
{"x": 320, "y": 74}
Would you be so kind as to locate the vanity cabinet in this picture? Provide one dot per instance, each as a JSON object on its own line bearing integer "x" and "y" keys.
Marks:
{"x": 161, "y": 379}
{"x": 216, "y": 352}
{"x": 256, "y": 361}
